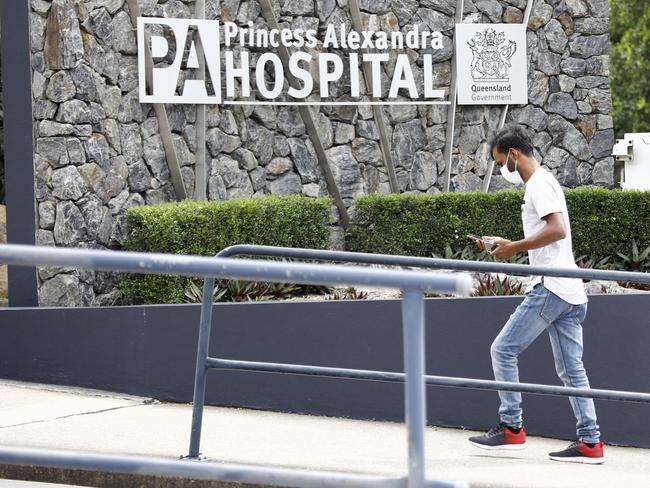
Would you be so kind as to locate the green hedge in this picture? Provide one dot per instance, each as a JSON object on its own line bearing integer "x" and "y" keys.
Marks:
{"x": 204, "y": 228}
{"x": 603, "y": 222}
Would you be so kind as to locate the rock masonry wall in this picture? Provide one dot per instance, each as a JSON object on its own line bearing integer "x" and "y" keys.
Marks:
{"x": 98, "y": 150}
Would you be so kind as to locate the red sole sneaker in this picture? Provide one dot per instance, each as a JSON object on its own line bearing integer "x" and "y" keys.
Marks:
{"x": 502, "y": 447}
{"x": 500, "y": 438}
{"x": 579, "y": 460}
{"x": 581, "y": 453}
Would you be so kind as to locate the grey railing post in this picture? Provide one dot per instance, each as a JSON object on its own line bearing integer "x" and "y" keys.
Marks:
{"x": 414, "y": 386}
{"x": 201, "y": 170}
{"x": 201, "y": 368}
{"x": 451, "y": 108}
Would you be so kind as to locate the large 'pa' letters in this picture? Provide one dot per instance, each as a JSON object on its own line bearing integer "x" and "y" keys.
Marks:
{"x": 167, "y": 85}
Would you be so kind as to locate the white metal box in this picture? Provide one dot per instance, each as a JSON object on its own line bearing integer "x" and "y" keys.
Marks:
{"x": 634, "y": 152}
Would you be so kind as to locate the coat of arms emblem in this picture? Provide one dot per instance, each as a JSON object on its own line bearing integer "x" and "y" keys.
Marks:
{"x": 491, "y": 56}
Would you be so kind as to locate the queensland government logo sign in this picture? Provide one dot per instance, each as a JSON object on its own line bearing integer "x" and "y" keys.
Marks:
{"x": 244, "y": 64}
{"x": 492, "y": 53}
{"x": 492, "y": 64}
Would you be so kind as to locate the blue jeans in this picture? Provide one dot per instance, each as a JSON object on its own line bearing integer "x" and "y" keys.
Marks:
{"x": 542, "y": 309}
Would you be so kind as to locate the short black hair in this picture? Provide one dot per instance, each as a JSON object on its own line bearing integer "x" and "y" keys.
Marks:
{"x": 512, "y": 137}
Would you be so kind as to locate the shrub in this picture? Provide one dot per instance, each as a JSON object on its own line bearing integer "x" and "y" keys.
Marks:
{"x": 638, "y": 261}
{"x": 424, "y": 225}
{"x": 496, "y": 286}
{"x": 249, "y": 291}
{"x": 204, "y": 228}
{"x": 349, "y": 293}
{"x": 603, "y": 221}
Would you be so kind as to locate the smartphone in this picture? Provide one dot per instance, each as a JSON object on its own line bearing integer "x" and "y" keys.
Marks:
{"x": 487, "y": 244}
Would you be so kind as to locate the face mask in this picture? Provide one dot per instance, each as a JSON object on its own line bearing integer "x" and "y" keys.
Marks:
{"x": 511, "y": 176}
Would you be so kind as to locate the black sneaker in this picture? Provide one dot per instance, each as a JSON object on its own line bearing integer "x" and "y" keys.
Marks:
{"x": 501, "y": 437}
{"x": 580, "y": 452}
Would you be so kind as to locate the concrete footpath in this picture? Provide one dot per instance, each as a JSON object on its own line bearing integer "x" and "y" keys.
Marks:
{"x": 50, "y": 417}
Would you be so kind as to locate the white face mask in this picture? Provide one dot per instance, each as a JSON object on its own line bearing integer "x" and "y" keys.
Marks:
{"x": 511, "y": 176}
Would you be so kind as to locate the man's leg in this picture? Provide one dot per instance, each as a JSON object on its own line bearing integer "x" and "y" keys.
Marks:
{"x": 566, "y": 339}
{"x": 523, "y": 327}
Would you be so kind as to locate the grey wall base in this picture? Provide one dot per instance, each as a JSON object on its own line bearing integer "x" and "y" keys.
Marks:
{"x": 150, "y": 351}
{"x": 68, "y": 477}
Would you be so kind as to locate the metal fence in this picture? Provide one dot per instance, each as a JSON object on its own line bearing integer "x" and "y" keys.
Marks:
{"x": 412, "y": 303}
{"x": 412, "y": 283}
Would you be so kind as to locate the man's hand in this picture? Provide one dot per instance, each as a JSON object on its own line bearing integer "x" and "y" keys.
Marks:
{"x": 504, "y": 250}
{"x": 554, "y": 230}
{"x": 480, "y": 244}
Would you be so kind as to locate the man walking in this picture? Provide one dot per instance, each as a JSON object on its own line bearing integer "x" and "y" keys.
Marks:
{"x": 558, "y": 305}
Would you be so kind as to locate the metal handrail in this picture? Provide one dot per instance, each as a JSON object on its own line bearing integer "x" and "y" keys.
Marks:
{"x": 233, "y": 473}
{"x": 412, "y": 283}
{"x": 205, "y": 362}
{"x": 448, "y": 381}
{"x": 432, "y": 263}
{"x": 184, "y": 265}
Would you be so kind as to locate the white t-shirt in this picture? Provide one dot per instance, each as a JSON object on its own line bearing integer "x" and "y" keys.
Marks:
{"x": 544, "y": 196}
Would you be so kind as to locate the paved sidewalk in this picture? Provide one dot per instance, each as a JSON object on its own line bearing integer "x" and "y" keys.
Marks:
{"x": 57, "y": 418}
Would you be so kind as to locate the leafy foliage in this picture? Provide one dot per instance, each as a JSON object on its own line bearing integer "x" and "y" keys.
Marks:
{"x": 495, "y": 285}
{"x": 204, "y": 228}
{"x": 349, "y": 293}
{"x": 592, "y": 263}
{"x": 630, "y": 58}
{"x": 244, "y": 291}
{"x": 637, "y": 260}
{"x": 194, "y": 293}
{"x": 467, "y": 253}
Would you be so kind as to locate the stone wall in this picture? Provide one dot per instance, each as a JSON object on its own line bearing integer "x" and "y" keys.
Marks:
{"x": 98, "y": 151}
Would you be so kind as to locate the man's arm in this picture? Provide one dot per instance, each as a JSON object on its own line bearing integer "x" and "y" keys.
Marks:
{"x": 553, "y": 231}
